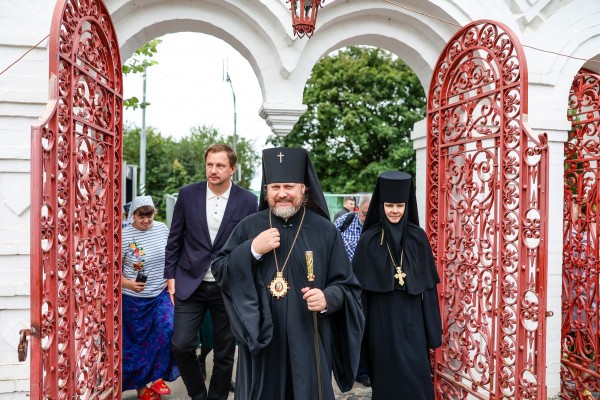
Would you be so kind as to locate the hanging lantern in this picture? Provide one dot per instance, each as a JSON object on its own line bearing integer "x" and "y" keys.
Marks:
{"x": 304, "y": 16}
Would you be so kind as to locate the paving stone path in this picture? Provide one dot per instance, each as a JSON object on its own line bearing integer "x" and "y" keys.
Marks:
{"x": 178, "y": 392}
{"x": 358, "y": 392}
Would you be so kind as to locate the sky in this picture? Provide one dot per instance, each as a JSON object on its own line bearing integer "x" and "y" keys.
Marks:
{"x": 187, "y": 89}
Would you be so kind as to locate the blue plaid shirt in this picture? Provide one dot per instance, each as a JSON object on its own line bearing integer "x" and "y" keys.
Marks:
{"x": 351, "y": 234}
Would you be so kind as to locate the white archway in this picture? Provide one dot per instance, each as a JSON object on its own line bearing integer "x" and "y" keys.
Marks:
{"x": 281, "y": 62}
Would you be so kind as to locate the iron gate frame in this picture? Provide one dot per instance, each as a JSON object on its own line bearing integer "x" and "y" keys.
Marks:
{"x": 76, "y": 151}
{"x": 580, "y": 361}
{"x": 491, "y": 252}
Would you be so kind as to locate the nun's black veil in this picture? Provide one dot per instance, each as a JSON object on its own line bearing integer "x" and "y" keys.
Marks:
{"x": 408, "y": 244}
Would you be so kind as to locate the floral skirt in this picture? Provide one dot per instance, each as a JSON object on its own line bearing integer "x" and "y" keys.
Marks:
{"x": 147, "y": 332}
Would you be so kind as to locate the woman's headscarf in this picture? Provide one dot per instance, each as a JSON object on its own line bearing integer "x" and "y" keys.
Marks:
{"x": 138, "y": 202}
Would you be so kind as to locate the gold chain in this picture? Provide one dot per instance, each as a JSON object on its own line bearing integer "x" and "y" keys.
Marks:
{"x": 392, "y": 258}
{"x": 400, "y": 275}
{"x": 293, "y": 243}
{"x": 390, "y": 252}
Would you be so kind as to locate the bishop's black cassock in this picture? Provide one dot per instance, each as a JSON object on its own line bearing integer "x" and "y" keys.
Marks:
{"x": 276, "y": 353}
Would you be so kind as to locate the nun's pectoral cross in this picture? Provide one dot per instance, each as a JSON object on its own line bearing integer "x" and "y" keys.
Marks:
{"x": 280, "y": 155}
{"x": 400, "y": 276}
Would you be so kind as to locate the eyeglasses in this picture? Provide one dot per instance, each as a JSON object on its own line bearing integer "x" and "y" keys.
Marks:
{"x": 364, "y": 213}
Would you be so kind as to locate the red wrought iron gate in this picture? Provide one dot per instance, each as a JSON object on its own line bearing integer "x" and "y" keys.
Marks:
{"x": 76, "y": 211}
{"x": 486, "y": 216}
{"x": 580, "y": 376}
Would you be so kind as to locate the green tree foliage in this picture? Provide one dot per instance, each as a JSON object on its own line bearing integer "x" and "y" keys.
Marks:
{"x": 137, "y": 64}
{"x": 178, "y": 178}
{"x": 362, "y": 105}
{"x": 171, "y": 164}
{"x": 160, "y": 154}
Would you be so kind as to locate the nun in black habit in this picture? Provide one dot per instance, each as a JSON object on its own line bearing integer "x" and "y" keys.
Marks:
{"x": 266, "y": 292}
{"x": 394, "y": 265}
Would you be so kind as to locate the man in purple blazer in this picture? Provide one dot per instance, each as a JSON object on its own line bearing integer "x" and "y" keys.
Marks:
{"x": 204, "y": 216}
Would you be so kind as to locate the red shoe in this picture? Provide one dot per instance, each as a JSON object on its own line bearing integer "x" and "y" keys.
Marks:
{"x": 160, "y": 387}
{"x": 149, "y": 394}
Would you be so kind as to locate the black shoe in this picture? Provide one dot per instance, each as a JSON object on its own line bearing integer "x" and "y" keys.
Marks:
{"x": 232, "y": 386}
{"x": 203, "y": 370}
{"x": 364, "y": 380}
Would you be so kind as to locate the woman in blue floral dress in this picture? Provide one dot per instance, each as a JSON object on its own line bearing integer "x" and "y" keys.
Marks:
{"x": 147, "y": 307}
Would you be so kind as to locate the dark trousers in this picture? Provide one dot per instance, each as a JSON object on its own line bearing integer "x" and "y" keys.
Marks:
{"x": 189, "y": 314}
{"x": 361, "y": 372}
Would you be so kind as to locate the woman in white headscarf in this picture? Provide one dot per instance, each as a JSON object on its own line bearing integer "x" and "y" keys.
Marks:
{"x": 147, "y": 307}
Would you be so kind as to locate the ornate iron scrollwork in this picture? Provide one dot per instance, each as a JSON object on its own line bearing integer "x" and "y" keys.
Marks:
{"x": 580, "y": 299}
{"x": 486, "y": 212}
{"x": 76, "y": 211}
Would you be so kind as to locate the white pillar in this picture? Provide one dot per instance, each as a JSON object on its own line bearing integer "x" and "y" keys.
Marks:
{"x": 281, "y": 118}
{"x": 419, "y": 138}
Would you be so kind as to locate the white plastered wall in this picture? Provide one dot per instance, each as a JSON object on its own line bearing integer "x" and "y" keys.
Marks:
{"x": 260, "y": 30}
{"x": 23, "y": 95}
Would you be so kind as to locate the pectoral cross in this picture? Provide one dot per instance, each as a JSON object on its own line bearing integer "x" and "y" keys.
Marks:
{"x": 280, "y": 155}
{"x": 400, "y": 276}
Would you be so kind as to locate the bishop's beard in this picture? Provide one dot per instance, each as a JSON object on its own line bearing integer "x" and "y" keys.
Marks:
{"x": 285, "y": 212}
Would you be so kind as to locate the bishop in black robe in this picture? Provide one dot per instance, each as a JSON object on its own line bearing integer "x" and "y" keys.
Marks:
{"x": 276, "y": 350}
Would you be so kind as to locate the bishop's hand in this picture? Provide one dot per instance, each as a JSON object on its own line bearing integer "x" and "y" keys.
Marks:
{"x": 266, "y": 241}
{"x": 315, "y": 299}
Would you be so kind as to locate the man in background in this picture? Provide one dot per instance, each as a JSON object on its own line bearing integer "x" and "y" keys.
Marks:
{"x": 203, "y": 218}
{"x": 349, "y": 204}
{"x": 350, "y": 227}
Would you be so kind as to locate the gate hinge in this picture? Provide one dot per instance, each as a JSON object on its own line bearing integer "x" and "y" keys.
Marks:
{"x": 24, "y": 343}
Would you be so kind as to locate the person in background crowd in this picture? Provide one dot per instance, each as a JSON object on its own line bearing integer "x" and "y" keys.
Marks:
{"x": 147, "y": 307}
{"x": 349, "y": 204}
{"x": 205, "y": 341}
{"x": 204, "y": 215}
{"x": 291, "y": 332}
{"x": 350, "y": 228}
{"x": 394, "y": 264}
{"x": 125, "y": 220}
